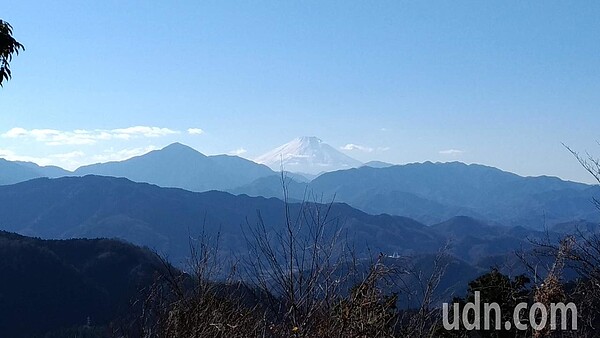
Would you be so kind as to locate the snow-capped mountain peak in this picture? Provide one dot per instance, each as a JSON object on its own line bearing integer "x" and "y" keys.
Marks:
{"x": 309, "y": 155}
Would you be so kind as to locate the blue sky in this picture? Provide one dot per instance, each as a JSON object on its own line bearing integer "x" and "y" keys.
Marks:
{"x": 501, "y": 83}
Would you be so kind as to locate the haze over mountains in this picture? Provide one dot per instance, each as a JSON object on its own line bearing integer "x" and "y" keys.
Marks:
{"x": 161, "y": 201}
{"x": 433, "y": 192}
{"x": 16, "y": 171}
{"x": 165, "y": 219}
{"x": 427, "y": 192}
{"x": 181, "y": 166}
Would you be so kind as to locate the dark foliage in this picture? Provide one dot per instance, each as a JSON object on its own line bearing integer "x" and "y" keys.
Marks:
{"x": 8, "y": 47}
{"x": 49, "y": 286}
{"x": 494, "y": 287}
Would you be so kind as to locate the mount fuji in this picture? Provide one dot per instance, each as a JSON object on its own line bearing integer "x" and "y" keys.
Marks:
{"x": 308, "y": 155}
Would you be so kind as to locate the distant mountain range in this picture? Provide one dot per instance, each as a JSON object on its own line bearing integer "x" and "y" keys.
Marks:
{"x": 404, "y": 213}
{"x": 308, "y": 155}
{"x": 433, "y": 192}
{"x": 165, "y": 218}
{"x": 17, "y": 171}
{"x": 176, "y": 165}
{"x": 428, "y": 192}
{"x": 90, "y": 287}
{"x": 180, "y": 166}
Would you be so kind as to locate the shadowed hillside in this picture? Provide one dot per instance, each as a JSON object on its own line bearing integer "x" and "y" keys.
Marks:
{"x": 48, "y": 285}
{"x": 165, "y": 218}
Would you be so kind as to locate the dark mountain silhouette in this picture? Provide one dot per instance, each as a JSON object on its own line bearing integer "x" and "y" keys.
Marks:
{"x": 165, "y": 218}
{"x": 49, "y": 285}
{"x": 53, "y": 288}
{"x": 105, "y": 273}
{"x": 180, "y": 166}
{"x": 428, "y": 192}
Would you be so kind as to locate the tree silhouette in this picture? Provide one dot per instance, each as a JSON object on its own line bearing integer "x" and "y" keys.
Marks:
{"x": 8, "y": 47}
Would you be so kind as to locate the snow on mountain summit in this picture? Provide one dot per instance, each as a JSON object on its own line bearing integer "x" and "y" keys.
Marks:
{"x": 309, "y": 155}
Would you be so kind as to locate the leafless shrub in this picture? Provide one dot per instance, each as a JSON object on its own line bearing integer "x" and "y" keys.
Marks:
{"x": 578, "y": 252}
{"x": 303, "y": 281}
{"x": 301, "y": 263}
{"x": 421, "y": 323}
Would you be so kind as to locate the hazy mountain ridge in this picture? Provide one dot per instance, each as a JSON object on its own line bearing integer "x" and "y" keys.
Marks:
{"x": 164, "y": 218}
{"x": 18, "y": 171}
{"x": 176, "y": 165}
{"x": 428, "y": 192}
{"x": 433, "y": 192}
{"x": 180, "y": 166}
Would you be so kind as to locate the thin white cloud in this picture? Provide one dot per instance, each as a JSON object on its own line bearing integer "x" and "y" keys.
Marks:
{"x": 352, "y": 146}
{"x": 68, "y": 156}
{"x": 53, "y": 137}
{"x": 74, "y": 159}
{"x": 451, "y": 152}
{"x": 195, "y": 131}
{"x": 238, "y": 152}
{"x": 119, "y": 155}
{"x": 16, "y": 132}
{"x": 12, "y": 156}
{"x": 145, "y": 131}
